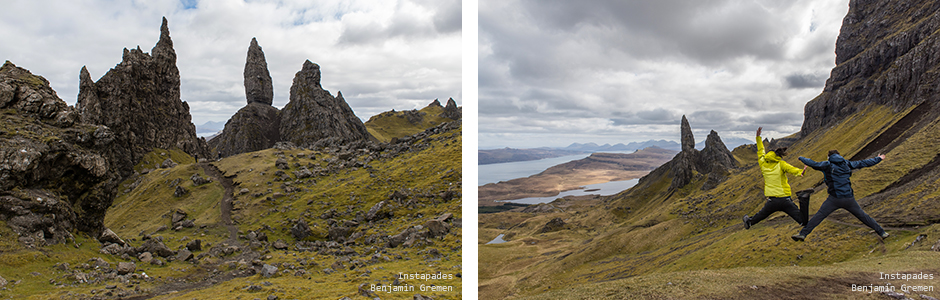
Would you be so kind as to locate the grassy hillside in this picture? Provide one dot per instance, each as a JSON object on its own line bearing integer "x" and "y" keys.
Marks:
{"x": 396, "y": 124}
{"x": 650, "y": 234}
{"x": 419, "y": 182}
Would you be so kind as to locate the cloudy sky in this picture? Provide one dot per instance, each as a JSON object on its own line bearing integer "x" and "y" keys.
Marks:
{"x": 555, "y": 72}
{"x": 381, "y": 54}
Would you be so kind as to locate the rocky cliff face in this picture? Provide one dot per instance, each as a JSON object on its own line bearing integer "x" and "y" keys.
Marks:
{"x": 255, "y": 126}
{"x": 314, "y": 118}
{"x": 54, "y": 177}
{"x": 139, "y": 100}
{"x": 886, "y": 54}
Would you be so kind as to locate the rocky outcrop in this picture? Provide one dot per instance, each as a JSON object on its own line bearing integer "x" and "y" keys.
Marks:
{"x": 258, "y": 85}
{"x": 314, "y": 118}
{"x": 713, "y": 163}
{"x": 451, "y": 111}
{"x": 886, "y": 54}
{"x": 139, "y": 100}
{"x": 252, "y": 128}
{"x": 53, "y": 176}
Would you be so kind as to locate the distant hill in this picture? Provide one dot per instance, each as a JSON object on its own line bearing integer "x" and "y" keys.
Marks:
{"x": 632, "y": 146}
{"x": 209, "y": 128}
{"x": 731, "y": 143}
{"x": 397, "y": 124}
{"x": 505, "y": 155}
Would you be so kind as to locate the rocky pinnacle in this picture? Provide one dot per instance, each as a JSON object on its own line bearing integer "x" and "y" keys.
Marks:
{"x": 688, "y": 141}
{"x": 258, "y": 86}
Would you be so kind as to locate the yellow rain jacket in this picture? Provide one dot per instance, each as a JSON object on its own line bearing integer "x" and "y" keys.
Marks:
{"x": 775, "y": 169}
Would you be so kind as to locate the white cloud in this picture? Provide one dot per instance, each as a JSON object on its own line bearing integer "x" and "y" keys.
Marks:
{"x": 414, "y": 59}
{"x": 639, "y": 63}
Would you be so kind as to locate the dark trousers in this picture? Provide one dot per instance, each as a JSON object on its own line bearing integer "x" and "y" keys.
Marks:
{"x": 775, "y": 204}
{"x": 848, "y": 204}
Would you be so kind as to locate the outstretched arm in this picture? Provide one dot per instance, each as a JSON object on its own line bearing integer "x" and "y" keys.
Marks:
{"x": 790, "y": 169}
{"x": 814, "y": 164}
{"x": 858, "y": 164}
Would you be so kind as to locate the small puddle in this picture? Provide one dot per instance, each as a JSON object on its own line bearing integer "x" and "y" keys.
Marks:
{"x": 498, "y": 240}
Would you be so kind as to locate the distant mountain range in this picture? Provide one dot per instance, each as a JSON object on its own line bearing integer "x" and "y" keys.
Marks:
{"x": 209, "y": 128}
{"x": 504, "y": 155}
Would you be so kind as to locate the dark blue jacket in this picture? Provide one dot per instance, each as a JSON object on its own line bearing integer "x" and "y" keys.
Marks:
{"x": 837, "y": 171}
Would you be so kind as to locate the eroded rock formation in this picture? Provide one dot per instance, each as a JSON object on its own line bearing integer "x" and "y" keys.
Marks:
{"x": 315, "y": 118}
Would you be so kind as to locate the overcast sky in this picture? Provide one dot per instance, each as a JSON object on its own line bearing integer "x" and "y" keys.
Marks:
{"x": 381, "y": 54}
{"x": 554, "y": 72}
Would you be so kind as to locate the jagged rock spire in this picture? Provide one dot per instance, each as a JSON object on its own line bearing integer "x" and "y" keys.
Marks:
{"x": 258, "y": 85}
{"x": 451, "y": 110}
{"x": 688, "y": 141}
{"x": 163, "y": 50}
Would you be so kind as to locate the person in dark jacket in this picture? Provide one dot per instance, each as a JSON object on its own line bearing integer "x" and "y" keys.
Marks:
{"x": 836, "y": 172}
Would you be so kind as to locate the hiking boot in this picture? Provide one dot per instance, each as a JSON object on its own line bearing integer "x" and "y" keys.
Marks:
{"x": 885, "y": 235}
{"x": 798, "y": 237}
{"x": 805, "y": 193}
{"x": 747, "y": 222}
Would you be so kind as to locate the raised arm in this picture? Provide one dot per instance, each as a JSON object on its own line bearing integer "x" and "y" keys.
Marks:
{"x": 760, "y": 143}
{"x": 858, "y": 164}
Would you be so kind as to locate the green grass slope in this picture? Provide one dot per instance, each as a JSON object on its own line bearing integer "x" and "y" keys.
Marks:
{"x": 394, "y": 124}
{"x": 426, "y": 182}
{"x": 648, "y": 231}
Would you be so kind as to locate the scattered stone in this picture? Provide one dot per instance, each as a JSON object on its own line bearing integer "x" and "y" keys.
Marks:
{"x": 199, "y": 180}
{"x": 281, "y": 163}
{"x": 145, "y": 257}
{"x": 253, "y": 288}
{"x": 3, "y": 282}
{"x": 157, "y": 262}
{"x": 338, "y": 233}
{"x": 280, "y": 245}
{"x": 376, "y": 212}
{"x": 894, "y": 295}
{"x": 184, "y": 255}
{"x": 168, "y": 163}
{"x": 436, "y": 228}
{"x": 194, "y": 245}
{"x": 300, "y": 230}
{"x": 302, "y": 173}
{"x": 268, "y": 270}
{"x": 108, "y": 236}
{"x": 422, "y": 297}
{"x": 272, "y": 297}
{"x": 126, "y": 267}
{"x": 156, "y": 247}
{"x": 180, "y": 191}
{"x": 243, "y": 191}
{"x": 178, "y": 215}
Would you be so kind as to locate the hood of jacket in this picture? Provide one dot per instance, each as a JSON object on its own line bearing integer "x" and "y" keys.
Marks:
{"x": 772, "y": 157}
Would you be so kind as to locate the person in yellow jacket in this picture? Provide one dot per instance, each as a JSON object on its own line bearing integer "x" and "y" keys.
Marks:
{"x": 776, "y": 186}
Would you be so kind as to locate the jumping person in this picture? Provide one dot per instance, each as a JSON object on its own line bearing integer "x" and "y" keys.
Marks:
{"x": 836, "y": 173}
{"x": 776, "y": 187}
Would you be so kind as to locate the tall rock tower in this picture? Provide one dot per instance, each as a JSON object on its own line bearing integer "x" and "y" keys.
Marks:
{"x": 255, "y": 126}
